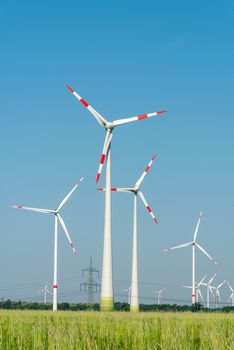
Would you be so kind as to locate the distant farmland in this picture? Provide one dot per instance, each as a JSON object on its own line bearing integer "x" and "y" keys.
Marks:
{"x": 94, "y": 330}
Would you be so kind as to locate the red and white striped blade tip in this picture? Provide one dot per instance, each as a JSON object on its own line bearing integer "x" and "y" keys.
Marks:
{"x": 155, "y": 220}
{"x": 98, "y": 177}
{"x": 161, "y": 112}
{"x": 16, "y": 206}
{"x": 100, "y": 189}
{"x": 69, "y": 88}
{"x": 73, "y": 248}
{"x": 154, "y": 156}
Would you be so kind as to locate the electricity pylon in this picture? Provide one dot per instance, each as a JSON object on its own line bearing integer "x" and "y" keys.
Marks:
{"x": 90, "y": 286}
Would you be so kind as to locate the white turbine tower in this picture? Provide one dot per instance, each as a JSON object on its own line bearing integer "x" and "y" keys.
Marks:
{"x": 44, "y": 291}
{"x": 208, "y": 290}
{"x": 193, "y": 244}
{"x": 58, "y": 219}
{"x": 158, "y": 294}
{"x": 134, "y": 305}
{"x": 231, "y": 298}
{"x": 197, "y": 289}
{"x": 107, "y": 299}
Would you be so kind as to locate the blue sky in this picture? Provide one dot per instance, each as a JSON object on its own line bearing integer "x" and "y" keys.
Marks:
{"x": 126, "y": 58}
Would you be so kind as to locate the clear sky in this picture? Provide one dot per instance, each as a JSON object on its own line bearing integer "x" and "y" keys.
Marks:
{"x": 126, "y": 58}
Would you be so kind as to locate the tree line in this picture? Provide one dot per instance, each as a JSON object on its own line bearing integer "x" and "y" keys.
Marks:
{"x": 118, "y": 306}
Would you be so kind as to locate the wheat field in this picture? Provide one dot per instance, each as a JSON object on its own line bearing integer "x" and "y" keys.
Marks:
{"x": 117, "y": 330}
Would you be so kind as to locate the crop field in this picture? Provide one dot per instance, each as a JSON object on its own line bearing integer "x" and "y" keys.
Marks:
{"x": 94, "y": 330}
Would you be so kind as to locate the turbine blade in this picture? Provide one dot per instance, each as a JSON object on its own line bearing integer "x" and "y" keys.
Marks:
{"x": 133, "y": 119}
{"x": 64, "y": 201}
{"x": 221, "y": 284}
{"x": 178, "y": 246}
{"x": 204, "y": 284}
{"x": 116, "y": 189}
{"x": 38, "y": 210}
{"x": 187, "y": 286}
{"x": 104, "y": 152}
{"x": 199, "y": 292}
{"x": 201, "y": 281}
{"x": 212, "y": 278}
{"x": 147, "y": 206}
{"x": 139, "y": 181}
{"x": 205, "y": 252}
{"x": 218, "y": 295}
{"x": 98, "y": 116}
{"x": 230, "y": 287}
{"x": 211, "y": 290}
{"x": 66, "y": 232}
{"x": 197, "y": 227}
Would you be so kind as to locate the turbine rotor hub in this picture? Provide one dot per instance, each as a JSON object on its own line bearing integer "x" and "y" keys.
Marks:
{"x": 109, "y": 126}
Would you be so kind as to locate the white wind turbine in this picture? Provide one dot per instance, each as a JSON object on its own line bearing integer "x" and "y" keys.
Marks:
{"x": 127, "y": 290}
{"x": 134, "y": 305}
{"x": 107, "y": 300}
{"x": 44, "y": 291}
{"x": 231, "y": 298}
{"x": 59, "y": 219}
{"x": 197, "y": 289}
{"x": 159, "y": 295}
{"x": 208, "y": 290}
{"x": 217, "y": 294}
{"x": 194, "y": 244}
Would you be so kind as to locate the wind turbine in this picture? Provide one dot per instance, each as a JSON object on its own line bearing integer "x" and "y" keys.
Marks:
{"x": 58, "y": 219}
{"x": 159, "y": 294}
{"x": 127, "y": 290}
{"x": 208, "y": 290}
{"x": 217, "y": 294}
{"x": 45, "y": 291}
{"x": 194, "y": 244}
{"x": 134, "y": 305}
{"x": 197, "y": 289}
{"x": 107, "y": 300}
{"x": 231, "y": 298}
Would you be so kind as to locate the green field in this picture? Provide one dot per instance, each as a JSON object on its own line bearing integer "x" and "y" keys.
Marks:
{"x": 94, "y": 330}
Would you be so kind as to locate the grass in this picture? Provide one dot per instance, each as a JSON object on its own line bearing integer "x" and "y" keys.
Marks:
{"x": 44, "y": 330}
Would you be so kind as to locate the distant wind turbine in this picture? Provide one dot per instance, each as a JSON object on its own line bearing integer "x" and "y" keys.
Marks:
{"x": 208, "y": 290}
{"x": 217, "y": 293}
{"x": 127, "y": 290}
{"x": 197, "y": 289}
{"x": 44, "y": 291}
{"x": 231, "y": 298}
{"x": 193, "y": 244}
{"x": 58, "y": 219}
{"x": 158, "y": 294}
